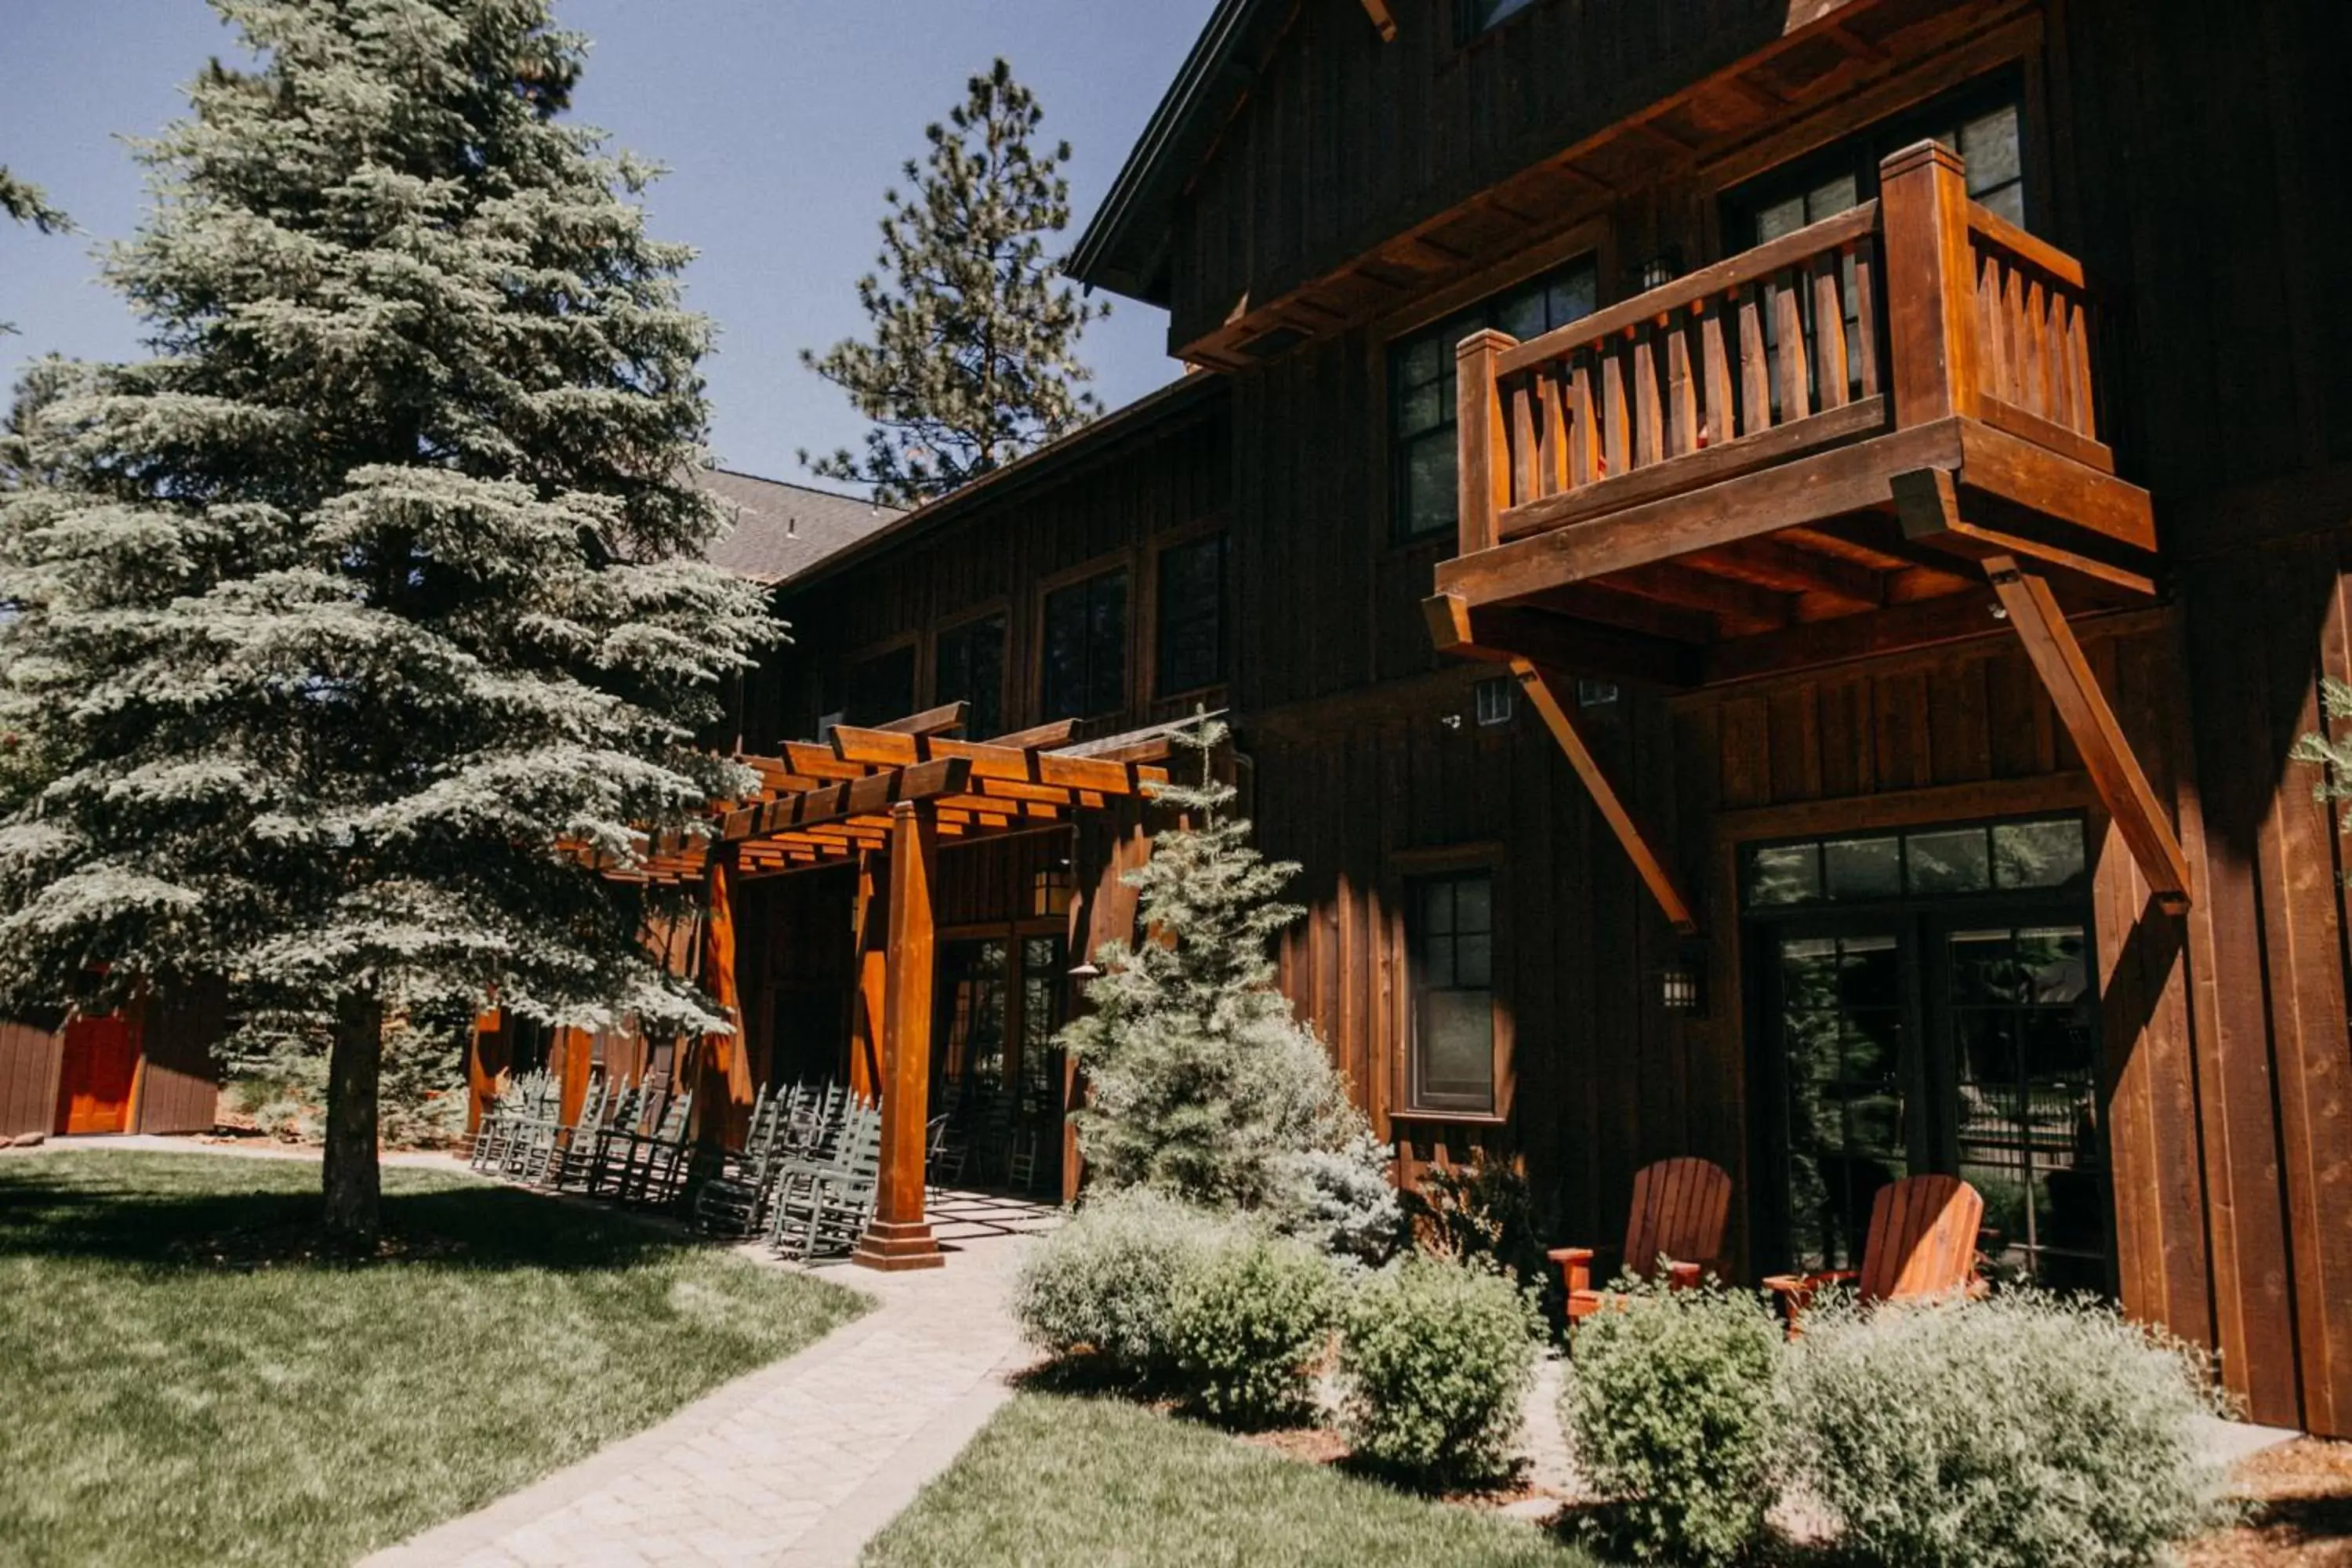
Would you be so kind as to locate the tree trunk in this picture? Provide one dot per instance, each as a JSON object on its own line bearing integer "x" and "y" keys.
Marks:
{"x": 353, "y": 1181}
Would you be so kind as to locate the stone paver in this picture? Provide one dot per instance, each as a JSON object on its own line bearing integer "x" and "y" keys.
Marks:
{"x": 793, "y": 1465}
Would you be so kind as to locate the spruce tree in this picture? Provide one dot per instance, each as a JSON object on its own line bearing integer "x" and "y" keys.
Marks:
{"x": 1202, "y": 1083}
{"x": 27, "y": 203}
{"x": 973, "y": 359}
{"x": 360, "y": 615}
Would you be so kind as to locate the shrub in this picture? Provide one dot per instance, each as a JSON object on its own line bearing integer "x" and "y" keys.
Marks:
{"x": 1341, "y": 1199}
{"x": 2018, "y": 1432}
{"x": 1250, "y": 1320}
{"x": 1105, "y": 1283}
{"x": 1483, "y": 1212}
{"x": 1436, "y": 1360}
{"x": 1673, "y": 1407}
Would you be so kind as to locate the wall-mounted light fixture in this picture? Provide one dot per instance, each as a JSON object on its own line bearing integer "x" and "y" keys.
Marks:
{"x": 1680, "y": 983}
{"x": 1085, "y": 971}
{"x": 1661, "y": 270}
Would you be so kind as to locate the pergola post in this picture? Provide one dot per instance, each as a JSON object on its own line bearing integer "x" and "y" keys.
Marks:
{"x": 869, "y": 922}
{"x": 725, "y": 1097}
{"x": 900, "y": 1236}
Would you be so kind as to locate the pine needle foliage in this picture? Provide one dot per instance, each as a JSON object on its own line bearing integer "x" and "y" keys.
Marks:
{"x": 349, "y": 618}
{"x": 26, "y": 203}
{"x": 973, "y": 357}
{"x": 1201, "y": 1083}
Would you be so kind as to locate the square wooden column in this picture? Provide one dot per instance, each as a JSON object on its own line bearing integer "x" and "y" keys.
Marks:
{"x": 870, "y": 925}
{"x": 900, "y": 1236}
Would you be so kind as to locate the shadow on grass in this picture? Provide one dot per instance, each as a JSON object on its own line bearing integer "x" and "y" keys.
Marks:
{"x": 487, "y": 1228}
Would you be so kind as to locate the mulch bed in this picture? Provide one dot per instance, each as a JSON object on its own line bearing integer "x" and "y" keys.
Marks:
{"x": 2301, "y": 1511}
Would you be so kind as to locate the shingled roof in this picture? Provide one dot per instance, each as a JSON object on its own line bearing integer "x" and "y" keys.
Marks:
{"x": 779, "y": 530}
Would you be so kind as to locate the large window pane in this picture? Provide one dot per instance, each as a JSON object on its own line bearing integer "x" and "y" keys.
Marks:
{"x": 1452, "y": 977}
{"x": 1083, "y": 663}
{"x": 882, "y": 687}
{"x": 970, "y": 667}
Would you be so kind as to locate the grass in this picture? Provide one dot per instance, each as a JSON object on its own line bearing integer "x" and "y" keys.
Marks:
{"x": 186, "y": 1382}
{"x": 1058, "y": 1481}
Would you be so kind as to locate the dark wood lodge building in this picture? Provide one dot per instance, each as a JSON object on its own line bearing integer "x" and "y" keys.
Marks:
{"x": 1766, "y": 557}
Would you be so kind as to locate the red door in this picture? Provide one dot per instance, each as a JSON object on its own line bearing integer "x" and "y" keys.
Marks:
{"x": 101, "y": 1056}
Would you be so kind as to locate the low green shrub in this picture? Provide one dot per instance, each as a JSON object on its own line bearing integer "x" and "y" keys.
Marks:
{"x": 2024, "y": 1431}
{"x": 1437, "y": 1359}
{"x": 1105, "y": 1283}
{"x": 1250, "y": 1320}
{"x": 1673, "y": 1411}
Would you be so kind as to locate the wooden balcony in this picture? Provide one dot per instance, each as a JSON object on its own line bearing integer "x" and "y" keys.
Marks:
{"x": 1878, "y": 433}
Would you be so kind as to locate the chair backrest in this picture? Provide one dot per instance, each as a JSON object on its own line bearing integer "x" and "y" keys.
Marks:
{"x": 1923, "y": 1239}
{"x": 1680, "y": 1207}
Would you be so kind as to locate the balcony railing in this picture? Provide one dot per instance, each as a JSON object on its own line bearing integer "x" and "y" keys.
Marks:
{"x": 1919, "y": 307}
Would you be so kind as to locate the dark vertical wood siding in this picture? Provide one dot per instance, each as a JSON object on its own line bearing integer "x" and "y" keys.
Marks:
{"x": 179, "y": 1080}
{"x": 29, "y": 1059}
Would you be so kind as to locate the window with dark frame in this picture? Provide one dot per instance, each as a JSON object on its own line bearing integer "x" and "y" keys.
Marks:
{"x": 1191, "y": 616}
{"x": 1421, "y": 389}
{"x": 1450, "y": 927}
{"x": 1083, "y": 663}
{"x": 968, "y": 666}
{"x": 881, "y": 688}
{"x": 1984, "y": 123}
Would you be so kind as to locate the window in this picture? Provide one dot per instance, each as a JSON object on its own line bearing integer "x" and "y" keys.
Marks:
{"x": 1451, "y": 927}
{"x": 1929, "y": 863}
{"x": 968, "y": 666}
{"x": 882, "y": 687}
{"x": 1421, "y": 389}
{"x": 1084, "y": 657}
{"x": 1984, "y": 127}
{"x": 1192, "y": 615}
{"x": 1478, "y": 16}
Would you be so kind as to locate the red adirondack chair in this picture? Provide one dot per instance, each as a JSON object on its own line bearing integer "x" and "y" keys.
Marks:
{"x": 1922, "y": 1245}
{"x": 1679, "y": 1210}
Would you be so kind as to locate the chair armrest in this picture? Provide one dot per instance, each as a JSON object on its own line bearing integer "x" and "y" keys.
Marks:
{"x": 1683, "y": 1276}
{"x": 1575, "y": 1266}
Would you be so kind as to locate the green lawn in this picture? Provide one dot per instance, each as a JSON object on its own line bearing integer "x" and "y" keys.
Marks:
{"x": 1058, "y": 1481}
{"x": 180, "y": 1383}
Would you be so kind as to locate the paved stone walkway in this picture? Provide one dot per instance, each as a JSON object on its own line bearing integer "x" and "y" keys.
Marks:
{"x": 793, "y": 1465}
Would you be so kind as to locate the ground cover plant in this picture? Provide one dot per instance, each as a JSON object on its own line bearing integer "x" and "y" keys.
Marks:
{"x": 1060, "y": 1483}
{"x": 192, "y": 1378}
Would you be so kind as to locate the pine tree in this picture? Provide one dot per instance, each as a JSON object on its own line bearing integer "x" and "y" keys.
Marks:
{"x": 1202, "y": 1083}
{"x": 356, "y": 618}
{"x": 27, "y": 203}
{"x": 973, "y": 357}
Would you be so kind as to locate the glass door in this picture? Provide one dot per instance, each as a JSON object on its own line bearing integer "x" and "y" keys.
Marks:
{"x": 1922, "y": 1001}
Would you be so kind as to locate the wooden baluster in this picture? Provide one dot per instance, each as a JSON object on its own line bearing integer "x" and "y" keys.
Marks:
{"x": 1995, "y": 362}
{"x": 1581, "y": 451}
{"x": 1829, "y": 331}
{"x": 1755, "y": 370}
{"x": 1616, "y": 451}
{"x": 2014, "y": 347}
{"x": 1934, "y": 339}
{"x": 1682, "y": 393}
{"x": 1484, "y": 482}
{"x": 1523, "y": 441}
{"x": 1789, "y": 327}
{"x": 1866, "y": 314}
{"x": 1715, "y": 365}
{"x": 2078, "y": 368}
{"x": 1551, "y": 471}
{"x": 1648, "y": 445}
{"x": 2048, "y": 350}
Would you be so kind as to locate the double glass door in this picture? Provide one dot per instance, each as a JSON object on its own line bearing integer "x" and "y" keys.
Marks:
{"x": 1913, "y": 1031}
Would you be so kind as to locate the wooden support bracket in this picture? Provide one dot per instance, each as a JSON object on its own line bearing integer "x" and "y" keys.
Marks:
{"x": 1377, "y": 10}
{"x": 2107, "y": 755}
{"x": 1639, "y": 842}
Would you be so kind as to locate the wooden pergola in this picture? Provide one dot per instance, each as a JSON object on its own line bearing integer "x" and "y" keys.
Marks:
{"x": 884, "y": 799}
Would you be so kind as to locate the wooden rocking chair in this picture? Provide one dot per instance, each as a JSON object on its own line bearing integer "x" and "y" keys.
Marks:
{"x": 1680, "y": 1207}
{"x": 1922, "y": 1246}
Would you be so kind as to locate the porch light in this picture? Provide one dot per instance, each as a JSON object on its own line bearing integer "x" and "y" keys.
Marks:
{"x": 1085, "y": 971}
{"x": 1661, "y": 270}
{"x": 1681, "y": 987}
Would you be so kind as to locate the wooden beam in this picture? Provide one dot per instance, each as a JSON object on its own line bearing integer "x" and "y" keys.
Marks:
{"x": 1789, "y": 567}
{"x": 1500, "y": 633}
{"x": 1954, "y": 617}
{"x": 898, "y": 1237}
{"x": 946, "y": 719}
{"x": 2107, "y": 756}
{"x": 1038, "y": 737}
{"x": 1639, "y": 842}
{"x": 1739, "y": 603}
{"x": 1927, "y": 504}
{"x": 869, "y": 928}
{"x": 1377, "y": 10}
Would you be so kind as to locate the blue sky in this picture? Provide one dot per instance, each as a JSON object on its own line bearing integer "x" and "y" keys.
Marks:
{"x": 782, "y": 123}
